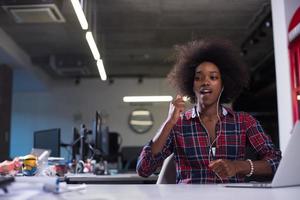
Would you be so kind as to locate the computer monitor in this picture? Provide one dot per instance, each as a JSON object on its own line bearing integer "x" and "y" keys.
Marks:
{"x": 76, "y": 143}
{"x": 100, "y": 135}
{"x": 97, "y": 123}
{"x": 48, "y": 139}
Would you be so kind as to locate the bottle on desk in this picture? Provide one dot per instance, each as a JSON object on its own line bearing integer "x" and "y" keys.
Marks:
{"x": 105, "y": 167}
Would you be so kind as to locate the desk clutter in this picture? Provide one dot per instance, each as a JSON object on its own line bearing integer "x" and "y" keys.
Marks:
{"x": 95, "y": 157}
{"x": 32, "y": 165}
{"x": 54, "y": 177}
{"x": 37, "y": 163}
{"x": 40, "y": 172}
{"x": 93, "y": 149}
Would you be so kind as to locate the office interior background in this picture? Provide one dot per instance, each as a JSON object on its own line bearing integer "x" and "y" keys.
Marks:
{"x": 55, "y": 82}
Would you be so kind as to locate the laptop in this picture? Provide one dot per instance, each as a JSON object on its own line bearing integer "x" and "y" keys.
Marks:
{"x": 287, "y": 173}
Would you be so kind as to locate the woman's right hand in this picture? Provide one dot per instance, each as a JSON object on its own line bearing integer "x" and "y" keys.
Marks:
{"x": 177, "y": 106}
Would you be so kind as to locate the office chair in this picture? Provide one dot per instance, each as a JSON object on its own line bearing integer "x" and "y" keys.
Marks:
{"x": 167, "y": 173}
{"x": 130, "y": 155}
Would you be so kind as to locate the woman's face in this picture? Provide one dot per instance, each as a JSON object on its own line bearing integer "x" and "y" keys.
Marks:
{"x": 207, "y": 84}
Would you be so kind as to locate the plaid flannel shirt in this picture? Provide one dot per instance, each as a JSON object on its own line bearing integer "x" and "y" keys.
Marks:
{"x": 189, "y": 142}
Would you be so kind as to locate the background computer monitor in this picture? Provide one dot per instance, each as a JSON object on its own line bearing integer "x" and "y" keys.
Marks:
{"x": 75, "y": 143}
{"x": 100, "y": 135}
{"x": 108, "y": 143}
{"x": 48, "y": 139}
{"x": 96, "y": 132}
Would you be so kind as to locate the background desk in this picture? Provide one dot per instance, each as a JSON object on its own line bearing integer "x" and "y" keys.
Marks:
{"x": 128, "y": 178}
{"x": 158, "y": 192}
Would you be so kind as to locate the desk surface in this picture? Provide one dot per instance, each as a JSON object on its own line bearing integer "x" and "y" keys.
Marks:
{"x": 157, "y": 192}
{"x": 127, "y": 178}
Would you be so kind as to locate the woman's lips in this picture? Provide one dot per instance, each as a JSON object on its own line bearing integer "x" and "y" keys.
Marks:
{"x": 205, "y": 92}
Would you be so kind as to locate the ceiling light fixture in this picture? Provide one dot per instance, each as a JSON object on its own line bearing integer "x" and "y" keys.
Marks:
{"x": 80, "y": 14}
{"x": 90, "y": 39}
{"x": 129, "y": 99}
{"x": 141, "y": 113}
{"x": 101, "y": 70}
{"x": 141, "y": 123}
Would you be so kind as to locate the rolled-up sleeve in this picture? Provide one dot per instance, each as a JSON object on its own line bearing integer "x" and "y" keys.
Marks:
{"x": 263, "y": 144}
{"x": 148, "y": 163}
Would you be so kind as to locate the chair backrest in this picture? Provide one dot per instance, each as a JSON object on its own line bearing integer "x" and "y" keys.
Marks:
{"x": 167, "y": 173}
{"x": 130, "y": 155}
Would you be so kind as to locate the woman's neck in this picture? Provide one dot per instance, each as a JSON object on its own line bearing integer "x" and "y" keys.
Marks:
{"x": 209, "y": 112}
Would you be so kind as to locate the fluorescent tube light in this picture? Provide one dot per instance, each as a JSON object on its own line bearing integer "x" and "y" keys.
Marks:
{"x": 141, "y": 123}
{"x": 147, "y": 98}
{"x": 141, "y": 113}
{"x": 92, "y": 44}
{"x": 80, "y": 14}
{"x": 101, "y": 70}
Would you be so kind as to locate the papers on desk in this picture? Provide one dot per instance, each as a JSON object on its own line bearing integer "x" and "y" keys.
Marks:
{"x": 27, "y": 187}
{"x": 30, "y": 187}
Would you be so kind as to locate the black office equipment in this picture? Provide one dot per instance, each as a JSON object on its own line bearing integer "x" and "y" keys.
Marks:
{"x": 5, "y": 181}
{"x": 48, "y": 139}
{"x": 108, "y": 143}
{"x": 130, "y": 155}
{"x": 76, "y": 143}
{"x": 97, "y": 136}
{"x": 100, "y": 135}
{"x": 115, "y": 141}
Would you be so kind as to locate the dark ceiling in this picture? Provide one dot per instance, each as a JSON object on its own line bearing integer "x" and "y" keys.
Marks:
{"x": 135, "y": 37}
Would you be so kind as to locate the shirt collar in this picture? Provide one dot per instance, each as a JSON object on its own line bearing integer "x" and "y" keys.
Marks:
{"x": 192, "y": 113}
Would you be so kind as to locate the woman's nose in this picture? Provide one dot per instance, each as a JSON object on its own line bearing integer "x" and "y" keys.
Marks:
{"x": 206, "y": 81}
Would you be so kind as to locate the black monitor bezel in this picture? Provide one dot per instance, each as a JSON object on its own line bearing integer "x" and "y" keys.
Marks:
{"x": 56, "y": 130}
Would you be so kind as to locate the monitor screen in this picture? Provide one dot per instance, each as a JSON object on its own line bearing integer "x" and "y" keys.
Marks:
{"x": 96, "y": 131}
{"x": 48, "y": 139}
{"x": 76, "y": 143}
{"x": 100, "y": 135}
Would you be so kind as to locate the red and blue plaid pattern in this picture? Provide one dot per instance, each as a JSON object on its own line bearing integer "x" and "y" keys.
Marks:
{"x": 190, "y": 144}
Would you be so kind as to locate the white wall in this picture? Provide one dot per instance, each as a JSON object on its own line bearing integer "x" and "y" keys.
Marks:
{"x": 59, "y": 106}
{"x": 282, "y": 11}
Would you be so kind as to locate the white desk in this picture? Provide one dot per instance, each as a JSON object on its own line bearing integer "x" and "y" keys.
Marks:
{"x": 157, "y": 192}
{"x": 127, "y": 178}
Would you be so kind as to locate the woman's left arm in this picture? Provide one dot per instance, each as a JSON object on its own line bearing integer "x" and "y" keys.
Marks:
{"x": 269, "y": 155}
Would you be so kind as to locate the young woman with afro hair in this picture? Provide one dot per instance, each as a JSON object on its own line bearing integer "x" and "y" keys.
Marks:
{"x": 209, "y": 140}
